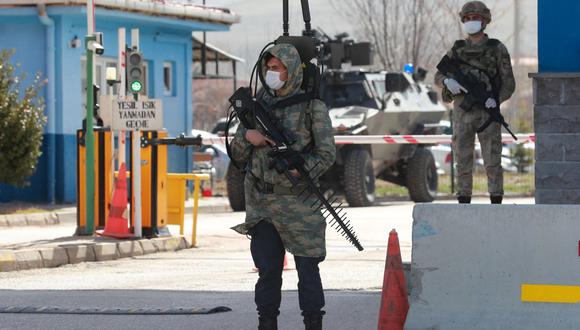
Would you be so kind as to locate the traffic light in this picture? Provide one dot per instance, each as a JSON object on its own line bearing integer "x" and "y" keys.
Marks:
{"x": 135, "y": 72}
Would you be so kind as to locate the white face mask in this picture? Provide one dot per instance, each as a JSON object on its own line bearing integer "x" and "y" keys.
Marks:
{"x": 273, "y": 80}
{"x": 472, "y": 27}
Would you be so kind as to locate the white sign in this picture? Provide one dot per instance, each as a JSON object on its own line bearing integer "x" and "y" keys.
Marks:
{"x": 143, "y": 115}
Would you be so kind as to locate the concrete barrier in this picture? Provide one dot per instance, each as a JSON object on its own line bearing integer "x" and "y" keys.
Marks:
{"x": 495, "y": 267}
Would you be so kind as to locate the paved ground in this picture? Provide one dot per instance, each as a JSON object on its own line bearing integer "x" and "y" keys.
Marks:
{"x": 218, "y": 272}
{"x": 363, "y": 306}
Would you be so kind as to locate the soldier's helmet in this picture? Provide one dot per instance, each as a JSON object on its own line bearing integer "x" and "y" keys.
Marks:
{"x": 476, "y": 7}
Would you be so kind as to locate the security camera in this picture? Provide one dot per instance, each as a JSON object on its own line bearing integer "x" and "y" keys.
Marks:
{"x": 96, "y": 47}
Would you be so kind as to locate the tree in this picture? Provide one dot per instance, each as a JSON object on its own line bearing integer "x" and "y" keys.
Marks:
{"x": 21, "y": 123}
{"x": 210, "y": 102}
{"x": 410, "y": 31}
{"x": 402, "y": 31}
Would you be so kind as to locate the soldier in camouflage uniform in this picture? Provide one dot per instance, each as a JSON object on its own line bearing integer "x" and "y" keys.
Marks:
{"x": 489, "y": 60}
{"x": 276, "y": 219}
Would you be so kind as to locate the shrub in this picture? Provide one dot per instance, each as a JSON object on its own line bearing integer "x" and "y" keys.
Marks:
{"x": 21, "y": 123}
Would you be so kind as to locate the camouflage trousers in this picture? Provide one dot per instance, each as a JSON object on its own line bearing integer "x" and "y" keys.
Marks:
{"x": 302, "y": 231}
{"x": 465, "y": 125}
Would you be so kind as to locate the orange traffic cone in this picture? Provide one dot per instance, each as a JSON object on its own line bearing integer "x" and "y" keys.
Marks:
{"x": 117, "y": 225}
{"x": 394, "y": 302}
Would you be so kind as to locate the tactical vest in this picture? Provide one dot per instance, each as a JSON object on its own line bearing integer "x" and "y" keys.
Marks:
{"x": 296, "y": 99}
{"x": 482, "y": 61}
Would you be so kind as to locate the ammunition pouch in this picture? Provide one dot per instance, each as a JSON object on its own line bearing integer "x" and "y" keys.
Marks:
{"x": 468, "y": 102}
{"x": 268, "y": 188}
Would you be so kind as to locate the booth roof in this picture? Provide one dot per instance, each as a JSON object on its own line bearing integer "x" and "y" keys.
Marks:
{"x": 168, "y": 8}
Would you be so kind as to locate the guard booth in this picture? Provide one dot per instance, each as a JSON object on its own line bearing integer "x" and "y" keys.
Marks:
{"x": 48, "y": 37}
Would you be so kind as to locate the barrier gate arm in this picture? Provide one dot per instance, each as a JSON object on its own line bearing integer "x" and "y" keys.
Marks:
{"x": 391, "y": 139}
{"x": 181, "y": 141}
{"x": 198, "y": 141}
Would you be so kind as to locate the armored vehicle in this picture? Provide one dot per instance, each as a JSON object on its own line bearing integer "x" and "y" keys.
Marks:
{"x": 374, "y": 103}
{"x": 381, "y": 103}
{"x": 370, "y": 103}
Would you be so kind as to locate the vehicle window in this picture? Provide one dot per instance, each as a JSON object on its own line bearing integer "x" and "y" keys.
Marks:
{"x": 342, "y": 95}
{"x": 380, "y": 87}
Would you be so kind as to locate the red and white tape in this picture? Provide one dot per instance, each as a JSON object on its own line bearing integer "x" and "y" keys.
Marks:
{"x": 418, "y": 139}
{"x": 399, "y": 139}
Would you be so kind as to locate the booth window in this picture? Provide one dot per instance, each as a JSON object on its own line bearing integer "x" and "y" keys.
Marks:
{"x": 168, "y": 76}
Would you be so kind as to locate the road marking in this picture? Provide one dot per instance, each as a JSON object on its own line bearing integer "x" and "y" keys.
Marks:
{"x": 565, "y": 294}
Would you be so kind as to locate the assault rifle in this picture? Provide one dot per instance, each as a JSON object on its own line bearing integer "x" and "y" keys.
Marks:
{"x": 285, "y": 159}
{"x": 477, "y": 93}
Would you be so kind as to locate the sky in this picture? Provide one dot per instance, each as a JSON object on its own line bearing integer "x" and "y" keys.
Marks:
{"x": 261, "y": 22}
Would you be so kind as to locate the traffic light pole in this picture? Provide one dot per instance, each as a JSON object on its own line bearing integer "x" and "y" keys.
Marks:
{"x": 122, "y": 45}
{"x": 89, "y": 137}
{"x": 136, "y": 167}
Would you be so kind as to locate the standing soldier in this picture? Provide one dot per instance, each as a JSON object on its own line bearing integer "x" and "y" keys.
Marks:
{"x": 489, "y": 61}
{"x": 276, "y": 219}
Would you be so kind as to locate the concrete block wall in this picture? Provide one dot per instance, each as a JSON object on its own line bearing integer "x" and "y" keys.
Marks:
{"x": 557, "y": 127}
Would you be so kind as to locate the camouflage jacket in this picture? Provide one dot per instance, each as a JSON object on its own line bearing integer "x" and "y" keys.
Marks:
{"x": 301, "y": 230}
{"x": 488, "y": 60}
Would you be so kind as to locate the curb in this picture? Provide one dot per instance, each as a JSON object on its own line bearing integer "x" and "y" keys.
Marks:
{"x": 54, "y": 218}
{"x": 15, "y": 260}
{"x": 211, "y": 209}
{"x": 29, "y": 219}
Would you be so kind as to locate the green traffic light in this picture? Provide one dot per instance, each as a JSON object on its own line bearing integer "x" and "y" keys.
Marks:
{"x": 136, "y": 86}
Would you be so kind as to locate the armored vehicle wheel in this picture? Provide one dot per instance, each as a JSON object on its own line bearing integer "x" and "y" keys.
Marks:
{"x": 359, "y": 178}
{"x": 235, "y": 187}
{"x": 422, "y": 176}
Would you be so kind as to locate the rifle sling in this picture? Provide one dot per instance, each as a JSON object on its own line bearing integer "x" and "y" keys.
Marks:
{"x": 293, "y": 100}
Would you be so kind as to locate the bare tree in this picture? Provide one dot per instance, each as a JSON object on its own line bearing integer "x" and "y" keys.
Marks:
{"x": 209, "y": 101}
{"x": 410, "y": 31}
{"x": 402, "y": 31}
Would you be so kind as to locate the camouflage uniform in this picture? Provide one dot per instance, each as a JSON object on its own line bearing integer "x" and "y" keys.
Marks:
{"x": 491, "y": 57}
{"x": 301, "y": 230}
{"x": 277, "y": 219}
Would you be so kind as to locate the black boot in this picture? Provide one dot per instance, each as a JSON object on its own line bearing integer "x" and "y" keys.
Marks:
{"x": 496, "y": 199}
{"x": 464, "y": 199}
{"x": 267, "y": 322}
{"x": 313, "y": 320}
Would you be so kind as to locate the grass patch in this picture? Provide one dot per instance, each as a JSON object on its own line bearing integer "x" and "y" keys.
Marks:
{"x": 514, "y": 184}
{"x": 387, "y": 189}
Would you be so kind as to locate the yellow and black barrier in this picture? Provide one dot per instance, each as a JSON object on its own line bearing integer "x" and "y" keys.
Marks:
{"x": 157, "y": 209}
{"x": 153, "y": 186}
{"x": 103, "y": 179}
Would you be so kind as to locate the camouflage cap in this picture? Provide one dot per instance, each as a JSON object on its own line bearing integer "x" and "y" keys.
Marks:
{"x": 476, "y": 7}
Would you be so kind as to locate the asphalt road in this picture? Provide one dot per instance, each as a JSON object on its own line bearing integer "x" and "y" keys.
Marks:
{"x": 219, "y": 272}
{"x": 242, "y": 316}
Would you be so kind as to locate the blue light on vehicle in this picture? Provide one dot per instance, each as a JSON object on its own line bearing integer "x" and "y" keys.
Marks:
{"x": 409, "y": 68}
